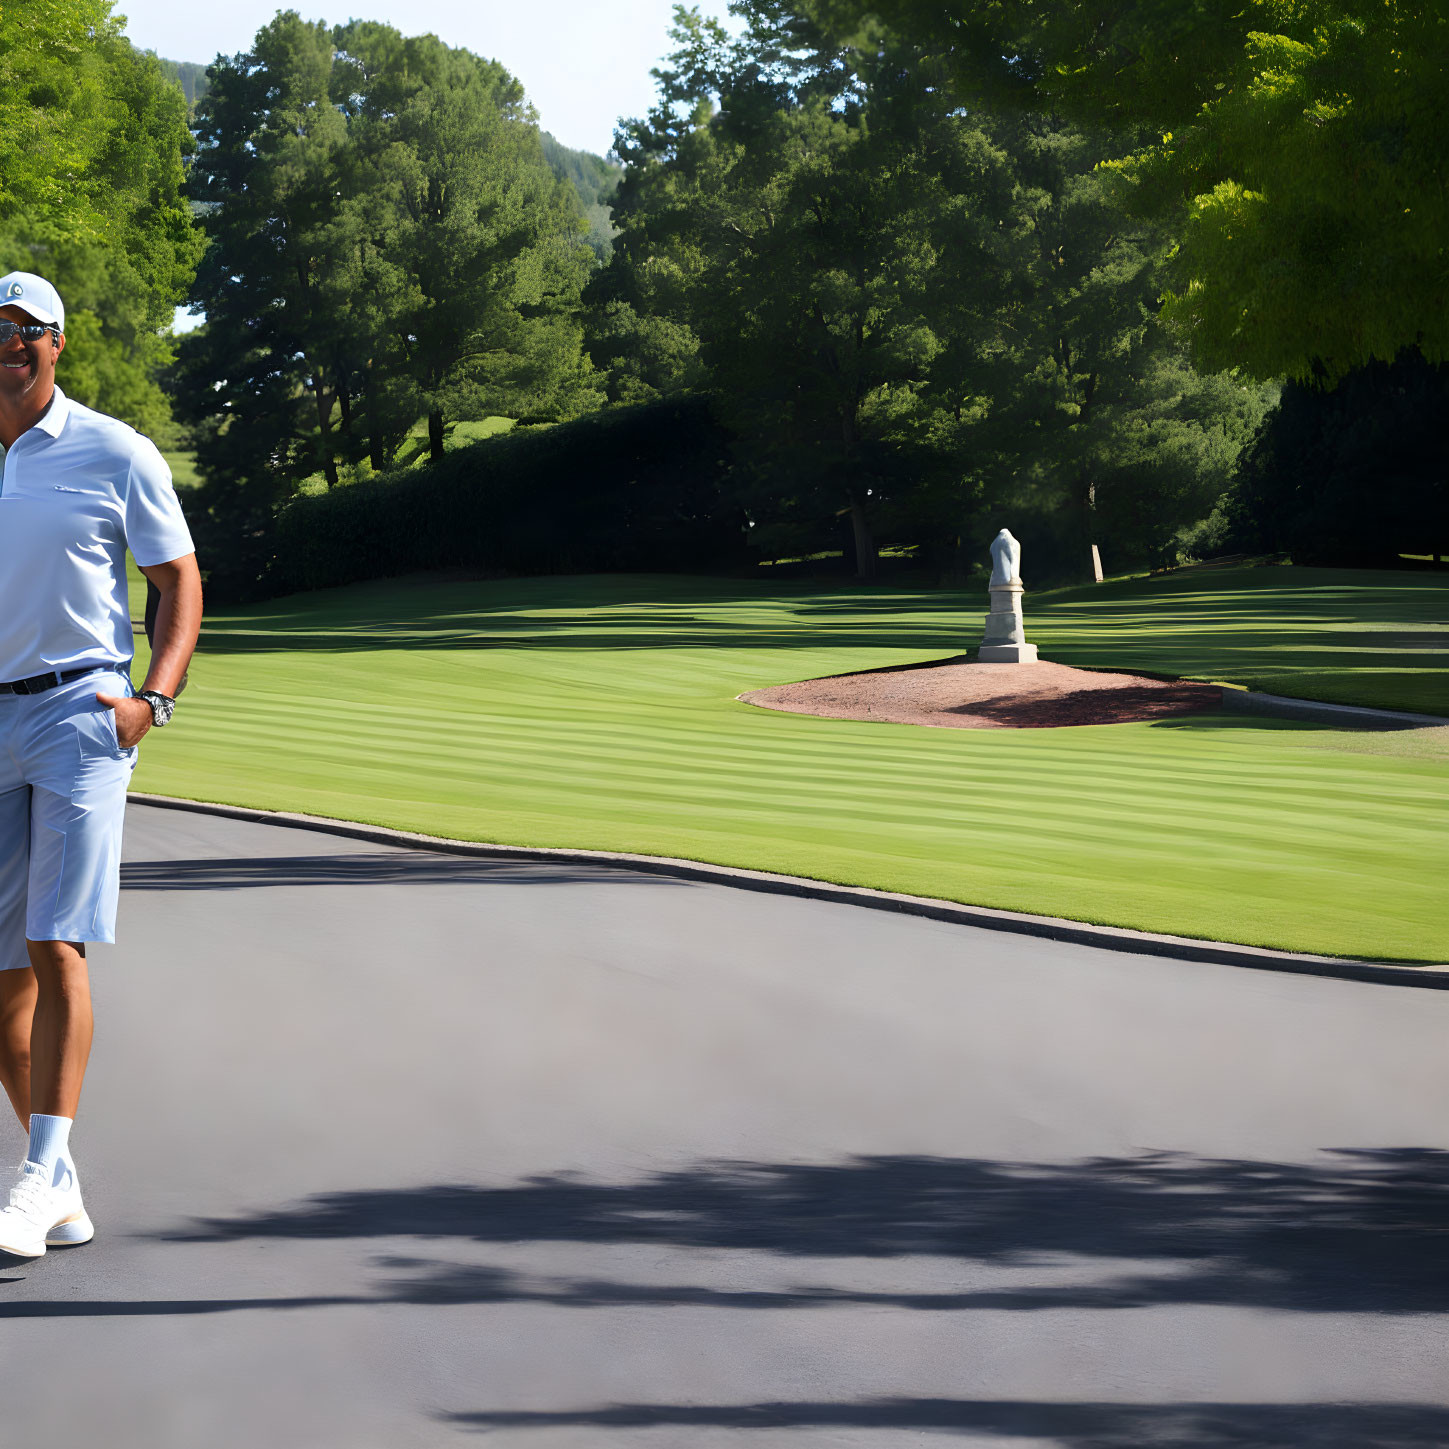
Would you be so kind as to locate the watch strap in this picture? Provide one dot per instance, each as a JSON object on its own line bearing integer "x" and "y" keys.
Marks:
{"x": 162, "y": 706}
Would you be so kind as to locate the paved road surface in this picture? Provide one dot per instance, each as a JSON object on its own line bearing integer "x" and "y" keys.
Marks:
{"x": 388, "y": 1150}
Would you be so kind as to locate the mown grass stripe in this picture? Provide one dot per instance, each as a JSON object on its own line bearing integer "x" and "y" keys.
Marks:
{"x": 513, "y": 712}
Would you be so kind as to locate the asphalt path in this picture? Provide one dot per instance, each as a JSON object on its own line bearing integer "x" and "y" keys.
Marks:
{"x": 387, "y": 1148}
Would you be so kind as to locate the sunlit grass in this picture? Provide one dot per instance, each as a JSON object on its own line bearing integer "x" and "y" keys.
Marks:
{"x": 601, "y": 713}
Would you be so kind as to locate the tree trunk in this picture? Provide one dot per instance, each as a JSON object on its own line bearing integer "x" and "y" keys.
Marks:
{"x": 324, "y": 427}
{"x": 435, "y": 436}
{"x": 866, "y": 557}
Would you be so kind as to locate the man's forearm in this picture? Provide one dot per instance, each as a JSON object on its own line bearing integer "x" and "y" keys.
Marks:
{"x": 178, "y": 622}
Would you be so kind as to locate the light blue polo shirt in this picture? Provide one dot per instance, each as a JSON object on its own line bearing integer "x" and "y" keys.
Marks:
{"x": 79, "y": 489}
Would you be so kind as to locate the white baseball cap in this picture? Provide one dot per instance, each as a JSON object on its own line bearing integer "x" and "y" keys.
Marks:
{"x": 34, "y": 295}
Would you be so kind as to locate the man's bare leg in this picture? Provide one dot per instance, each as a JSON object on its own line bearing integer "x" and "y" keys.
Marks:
{"x": 45, "y": 1207}
{"x": 17, "y": 1007}
{"x": 60, "y": 1032}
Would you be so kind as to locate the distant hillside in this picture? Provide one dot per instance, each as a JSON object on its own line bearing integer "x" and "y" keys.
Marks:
{"x": 596, "y": 180}
{"x": 190, "y": 76}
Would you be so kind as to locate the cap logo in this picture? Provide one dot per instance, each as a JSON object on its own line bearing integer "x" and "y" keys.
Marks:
{"x": 16, "y": 290}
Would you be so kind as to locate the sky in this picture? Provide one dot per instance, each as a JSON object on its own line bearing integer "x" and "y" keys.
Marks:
{"x": 584, "y": 63}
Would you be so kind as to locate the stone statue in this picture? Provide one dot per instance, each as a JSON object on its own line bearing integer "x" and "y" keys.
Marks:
{"x": 1005, "y": 641}
{"x": 1005, "y": 560}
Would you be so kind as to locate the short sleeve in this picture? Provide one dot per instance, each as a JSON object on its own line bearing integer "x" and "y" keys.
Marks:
{"x": 156, "y": 530}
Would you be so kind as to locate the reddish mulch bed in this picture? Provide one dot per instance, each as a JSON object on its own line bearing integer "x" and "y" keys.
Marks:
{"x": 972, "y": 696}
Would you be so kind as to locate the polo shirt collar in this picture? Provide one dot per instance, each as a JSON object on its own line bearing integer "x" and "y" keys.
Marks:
{"x": 56, "y": 414}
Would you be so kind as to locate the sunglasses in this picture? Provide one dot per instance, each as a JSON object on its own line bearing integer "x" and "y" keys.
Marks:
{"x": 27, "y": 331}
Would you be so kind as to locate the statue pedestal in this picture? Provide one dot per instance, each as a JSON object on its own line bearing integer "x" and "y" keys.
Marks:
{"x": 1007, "y": 654}
{"x": 1005, "y": 638}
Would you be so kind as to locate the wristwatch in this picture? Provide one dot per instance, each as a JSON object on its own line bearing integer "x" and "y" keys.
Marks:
{"x": 162, "y": 706}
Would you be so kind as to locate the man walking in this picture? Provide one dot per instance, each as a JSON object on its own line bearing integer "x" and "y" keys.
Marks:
{"x": 78, "y": 490}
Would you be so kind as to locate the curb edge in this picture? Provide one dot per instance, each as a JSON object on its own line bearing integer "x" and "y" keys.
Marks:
{"x": 1053, "y": 928}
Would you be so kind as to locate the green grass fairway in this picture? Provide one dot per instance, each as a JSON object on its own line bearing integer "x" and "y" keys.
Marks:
{"x": 600, "y": 712}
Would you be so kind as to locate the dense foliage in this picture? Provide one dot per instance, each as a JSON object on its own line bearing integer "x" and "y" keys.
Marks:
{"x": 1354, "y": 475}
{"x": 52, "y": 89}
{"x": 1296, "y": 148}
{"x": 883, "y": 276}
{"x": 914, "y": 317}
{"x": 92, "y": 138}
{"x": 386, "y": 242}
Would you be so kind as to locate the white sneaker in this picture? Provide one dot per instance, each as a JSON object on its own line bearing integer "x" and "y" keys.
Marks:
{"x": 72, "y": 1232}
{"x": 42, "y": 1211}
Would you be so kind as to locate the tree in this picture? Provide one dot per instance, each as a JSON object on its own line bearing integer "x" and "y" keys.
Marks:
{"x": 96, "y": 203}
{"x": 795, "y": 232}
{"x": 909, "y": 312}
{"x": 387, "y": 243}
{"x": 1297, "y": 149}
{"x": 1105, "y": 430}
{"x": 51, "y": 89}
{"x": 256, "y": 381}
{"x": 482, "y": 242}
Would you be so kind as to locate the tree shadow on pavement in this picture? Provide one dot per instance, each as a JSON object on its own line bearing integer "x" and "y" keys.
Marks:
{"x": 1072, "y": 1425}
{"x": 1360, "y": 1232}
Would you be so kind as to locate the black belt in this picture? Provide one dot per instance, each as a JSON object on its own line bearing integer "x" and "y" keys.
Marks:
{"x": 39, "y": 683}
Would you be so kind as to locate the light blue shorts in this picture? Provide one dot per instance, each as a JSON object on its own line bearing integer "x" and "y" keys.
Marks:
{"x": 63, "y": 780}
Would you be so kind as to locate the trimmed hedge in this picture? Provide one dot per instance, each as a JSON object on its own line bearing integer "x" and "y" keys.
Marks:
{"x": 629, "y": 490}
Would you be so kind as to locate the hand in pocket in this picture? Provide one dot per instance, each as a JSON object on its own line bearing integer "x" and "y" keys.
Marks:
{"x": 133, "y": 718}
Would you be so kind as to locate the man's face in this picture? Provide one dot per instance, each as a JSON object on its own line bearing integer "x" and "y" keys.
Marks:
{"x": 28, "y": 368}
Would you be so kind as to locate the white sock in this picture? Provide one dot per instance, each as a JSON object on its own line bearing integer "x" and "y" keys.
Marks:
{"x": 50, "y": 1144}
